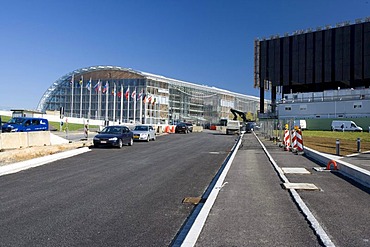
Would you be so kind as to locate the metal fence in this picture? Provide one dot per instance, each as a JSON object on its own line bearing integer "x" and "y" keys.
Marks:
{"x": 273, "y": 129}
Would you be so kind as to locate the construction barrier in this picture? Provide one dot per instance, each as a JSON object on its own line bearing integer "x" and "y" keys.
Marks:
{"x": 173, "y": 128}
{"x": 286, "y": 140}
{"x": 294, "y": 139}
{"x": 299, "y": 140}
{"x": 332, "y": 162}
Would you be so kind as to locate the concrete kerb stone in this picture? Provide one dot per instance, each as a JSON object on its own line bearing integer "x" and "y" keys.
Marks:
{"x": 358, "y": 174}
{"x": 23, "y": 165}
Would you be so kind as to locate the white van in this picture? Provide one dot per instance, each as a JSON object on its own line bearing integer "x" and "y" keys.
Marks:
{"x": 301, "y": 124}
{"x": 340, "y": 125}
{"x": 232, "y": 127}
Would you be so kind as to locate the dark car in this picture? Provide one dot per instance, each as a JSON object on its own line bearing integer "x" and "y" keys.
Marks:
{"x": 251, "y": 126}
{"x": 190, "y": 127}
{"x": 182, "y": 128}
{"x": 115, "y": 136}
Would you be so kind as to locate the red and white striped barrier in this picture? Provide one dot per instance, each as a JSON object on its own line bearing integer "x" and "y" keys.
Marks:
{"x": 294, "y": 139}
{"x": 286, "y": 140}
{"x": 299, "y": 141}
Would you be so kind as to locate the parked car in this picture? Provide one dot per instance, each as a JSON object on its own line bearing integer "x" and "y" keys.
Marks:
{"x": 115, "y": 136}
{"x": 25, "y": 124}
{"x": 182, "y": 128}
{"x": 144, "y": 133}
{"x": 190, "y": 127}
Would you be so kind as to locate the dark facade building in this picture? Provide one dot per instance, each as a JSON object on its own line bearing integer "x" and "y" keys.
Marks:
{"x": 314, "y": 61}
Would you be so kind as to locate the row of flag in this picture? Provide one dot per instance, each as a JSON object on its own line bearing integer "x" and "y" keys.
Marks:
{"x": 99, "y": 87}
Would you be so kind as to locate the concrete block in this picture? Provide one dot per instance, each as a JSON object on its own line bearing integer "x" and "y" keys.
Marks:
{"x": 14, "y": 140}
{"x": 197, "y": 129}
{"x": 38, "y": 138}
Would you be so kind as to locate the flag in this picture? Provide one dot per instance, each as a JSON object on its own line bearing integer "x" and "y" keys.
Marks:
{"x": 133, "y": 95}
{"x": 119, "y": 94}
{"x": 127, "y": 92}
{"x": 106, "y": 87}
{"x": 72, "y": 80}
{"x": 88, "y": 85}
{"x": 80, "y": 82}
{"x": 114, "y": 91}
{"x": 154, "y": 100}
{"x": 144, "y": 98}
{"x": 97, "y": 86}
{"x": 140, "y": 95}
{"x": 150, "y": 98}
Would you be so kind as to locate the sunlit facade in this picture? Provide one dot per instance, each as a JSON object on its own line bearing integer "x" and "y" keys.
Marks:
{"x": 124, "y": 95}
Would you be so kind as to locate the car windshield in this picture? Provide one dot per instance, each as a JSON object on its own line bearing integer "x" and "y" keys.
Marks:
{"x": 141, "y": 128}
{"x": 16, "y": 120}
{"x": 112, "y": 130}
{"x": 181, "y": 124}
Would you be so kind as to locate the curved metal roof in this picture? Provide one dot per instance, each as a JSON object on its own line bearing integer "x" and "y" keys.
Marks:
{"x": 79, "y": 72}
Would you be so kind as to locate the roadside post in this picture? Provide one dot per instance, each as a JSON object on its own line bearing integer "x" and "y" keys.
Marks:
{"x": 359, "y": 145}
{"x": 86, "y": 130}
{"x": 337, "y": 147}
{"x": 66, "y": 128}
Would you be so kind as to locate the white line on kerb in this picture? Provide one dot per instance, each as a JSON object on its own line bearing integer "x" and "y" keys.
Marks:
{"x": 23, "y": 165}
{"x": 302, "y": 206}
{"x": 196, "y": 228}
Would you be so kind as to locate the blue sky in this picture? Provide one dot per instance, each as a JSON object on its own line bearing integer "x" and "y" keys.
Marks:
{"x": 208, "y": 42}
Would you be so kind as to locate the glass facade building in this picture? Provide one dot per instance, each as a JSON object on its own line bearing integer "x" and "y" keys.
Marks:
{"x": 124, "y": 95}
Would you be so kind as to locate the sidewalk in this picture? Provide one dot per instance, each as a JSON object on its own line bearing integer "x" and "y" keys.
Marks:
{"x": 253, "y": 209}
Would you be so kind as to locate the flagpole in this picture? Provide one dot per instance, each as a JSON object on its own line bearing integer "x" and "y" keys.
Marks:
{"x": 89, "y": 114}
{"x": 141, "y": 107}
{"x": 121, "y": 113}
{"x": 81, "y": 84}
{"x": 106, "y": 99}
{"x": 99, "y": 100}
{"x": 145, "y": 108}
{"x": 134, "y": 98}
{"x": 114, "y": 102}
{"x": 128, "y": 104}
{"x": 73, "y": 81}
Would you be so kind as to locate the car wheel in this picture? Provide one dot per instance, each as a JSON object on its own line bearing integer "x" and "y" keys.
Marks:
{"x": 154, "y": 138}
{"x": 131, "y": 142}
{"x": 120, "y": 143}
{"x": 96, "y": 145}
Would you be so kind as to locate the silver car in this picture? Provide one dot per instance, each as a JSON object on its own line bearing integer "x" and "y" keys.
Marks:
{"x": 144, "y": 133}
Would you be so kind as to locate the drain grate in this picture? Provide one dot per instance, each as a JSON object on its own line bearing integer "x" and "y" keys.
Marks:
{"x": 193, "y": 200}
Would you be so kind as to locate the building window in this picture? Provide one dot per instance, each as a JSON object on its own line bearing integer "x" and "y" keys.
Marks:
{"x": 357, "y": 105}
{"x": 303, "y": 107}
{"x": 288, "y": 108}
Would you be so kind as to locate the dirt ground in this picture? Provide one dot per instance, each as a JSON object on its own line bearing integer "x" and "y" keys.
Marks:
{"x": 328, "y": 145}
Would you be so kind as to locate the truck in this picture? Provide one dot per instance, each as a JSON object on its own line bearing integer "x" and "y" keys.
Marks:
{"x": 344, "y": 125}
{"x": 300, "y": 124}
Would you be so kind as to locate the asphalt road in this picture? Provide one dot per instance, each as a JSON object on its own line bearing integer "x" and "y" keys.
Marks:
{"x": 111, "y": 197}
